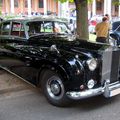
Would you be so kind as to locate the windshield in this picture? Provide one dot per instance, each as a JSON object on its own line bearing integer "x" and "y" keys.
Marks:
{"x": 38, "y": 27}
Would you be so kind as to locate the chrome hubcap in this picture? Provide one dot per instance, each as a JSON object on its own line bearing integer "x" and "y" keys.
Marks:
{"x": 55, "y": 87}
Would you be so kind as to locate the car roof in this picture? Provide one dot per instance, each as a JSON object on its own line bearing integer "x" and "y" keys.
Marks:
{"x": 31, "y": 19}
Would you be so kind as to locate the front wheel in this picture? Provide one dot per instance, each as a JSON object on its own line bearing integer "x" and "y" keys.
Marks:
{"x": 53, "y": 87}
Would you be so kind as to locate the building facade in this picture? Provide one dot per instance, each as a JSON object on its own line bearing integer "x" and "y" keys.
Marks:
{"x": 28, "y": 6}
{"x": 100, "y": 7}
{"x": 104, "y": 7}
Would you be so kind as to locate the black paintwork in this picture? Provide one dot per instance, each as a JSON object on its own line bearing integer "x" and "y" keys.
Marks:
{"x": 27, "y": 56}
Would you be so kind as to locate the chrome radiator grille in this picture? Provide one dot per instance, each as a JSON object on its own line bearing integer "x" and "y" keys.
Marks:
{"x": 111, "y": 64}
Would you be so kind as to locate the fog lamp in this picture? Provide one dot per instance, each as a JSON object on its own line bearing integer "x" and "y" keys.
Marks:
{"x": 90, "y": 83}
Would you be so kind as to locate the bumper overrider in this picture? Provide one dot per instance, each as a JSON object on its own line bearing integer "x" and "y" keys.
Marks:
{"x": 108, "y": 90}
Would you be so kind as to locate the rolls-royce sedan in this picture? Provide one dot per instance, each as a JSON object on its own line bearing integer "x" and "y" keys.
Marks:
{"x": 43, "y": 51}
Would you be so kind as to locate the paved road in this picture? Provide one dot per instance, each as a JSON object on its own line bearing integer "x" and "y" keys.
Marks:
{"x": 27, "y": 103}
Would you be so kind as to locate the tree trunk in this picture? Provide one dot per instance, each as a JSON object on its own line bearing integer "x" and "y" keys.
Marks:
{"x": 82, "y": 19}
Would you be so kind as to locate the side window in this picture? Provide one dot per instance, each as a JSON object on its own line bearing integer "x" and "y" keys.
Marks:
{"x": 34, "y": 28}
{"x": 17, "y": 29}
{"x": 47, "y": 27}
{"x": 62, "y": 27}
{"x": 5, "y": 28}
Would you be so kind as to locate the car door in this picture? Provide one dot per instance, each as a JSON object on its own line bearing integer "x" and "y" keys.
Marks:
{"x": 13, "y": 51}
{"x": 9, "y": 37}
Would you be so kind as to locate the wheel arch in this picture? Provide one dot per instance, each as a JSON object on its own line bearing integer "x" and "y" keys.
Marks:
{"x": 53, "y": 67}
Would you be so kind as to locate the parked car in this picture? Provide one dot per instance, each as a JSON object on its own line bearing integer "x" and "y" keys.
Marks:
{"x": 92, "y": 25}
{"x": 64, "y": 67}
{"x": 93, "y": 22}
{"x": 115, "y": 33}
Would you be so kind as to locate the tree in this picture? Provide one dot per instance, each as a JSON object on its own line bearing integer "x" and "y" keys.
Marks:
{"x": 82, "y": 17}
{"x": 116, "y": 2}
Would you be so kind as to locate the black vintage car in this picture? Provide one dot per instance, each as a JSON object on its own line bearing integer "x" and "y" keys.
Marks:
{"x": 65, "y": 67}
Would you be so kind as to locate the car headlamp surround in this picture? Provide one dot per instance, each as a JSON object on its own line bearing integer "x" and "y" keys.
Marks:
{"x": 92, "y": 64}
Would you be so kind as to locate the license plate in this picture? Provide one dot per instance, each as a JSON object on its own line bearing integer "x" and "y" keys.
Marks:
{"x": 114, "y": 92}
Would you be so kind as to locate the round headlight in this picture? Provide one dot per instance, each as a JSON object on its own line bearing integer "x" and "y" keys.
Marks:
{"x": 90, "y": 83}
{"x": 92, "y": 64}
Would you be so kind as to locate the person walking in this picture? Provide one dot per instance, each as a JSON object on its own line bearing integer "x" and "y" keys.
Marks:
{"x": 102, "y": 30}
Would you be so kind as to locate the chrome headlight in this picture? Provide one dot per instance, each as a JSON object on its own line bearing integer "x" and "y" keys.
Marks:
{"x": 92, "y": 64}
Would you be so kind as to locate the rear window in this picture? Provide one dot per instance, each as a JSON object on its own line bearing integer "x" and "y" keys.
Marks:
{"x": 17, "y": 29}
{"x": 5, "y": 28}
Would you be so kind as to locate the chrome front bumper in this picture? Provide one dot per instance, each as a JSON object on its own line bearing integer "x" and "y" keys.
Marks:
{"x": 108, "y": 90}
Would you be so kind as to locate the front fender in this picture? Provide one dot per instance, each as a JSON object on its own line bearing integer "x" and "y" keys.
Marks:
{"x": 72, "y": 73}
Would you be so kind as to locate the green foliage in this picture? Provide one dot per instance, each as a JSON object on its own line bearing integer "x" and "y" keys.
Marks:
{"x": 0, "y": 12}
{"x": 62, "y": 1}
{"x": 116, "y": 2}
{"x": 90, "y": 1}
{"x": 71, "y": 0}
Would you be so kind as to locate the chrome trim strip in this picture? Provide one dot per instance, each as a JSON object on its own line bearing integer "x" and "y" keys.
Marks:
{"x": 84, "y": 94}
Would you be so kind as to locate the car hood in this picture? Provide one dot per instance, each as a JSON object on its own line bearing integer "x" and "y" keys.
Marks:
{"x": 62, "y": 48}
{"x": 68, "y": 40}
{"x": 52, "y": 36}
{"x": 82, "y": 48}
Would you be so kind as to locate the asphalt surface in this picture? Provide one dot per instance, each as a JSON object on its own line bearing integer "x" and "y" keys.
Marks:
{"x": 9, "y": 83}
{"x": 21, "y": 101}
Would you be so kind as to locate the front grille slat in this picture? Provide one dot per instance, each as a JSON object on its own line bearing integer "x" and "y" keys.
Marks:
{"x": 110, "y": 65}
{"x": 115, "y": 66}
